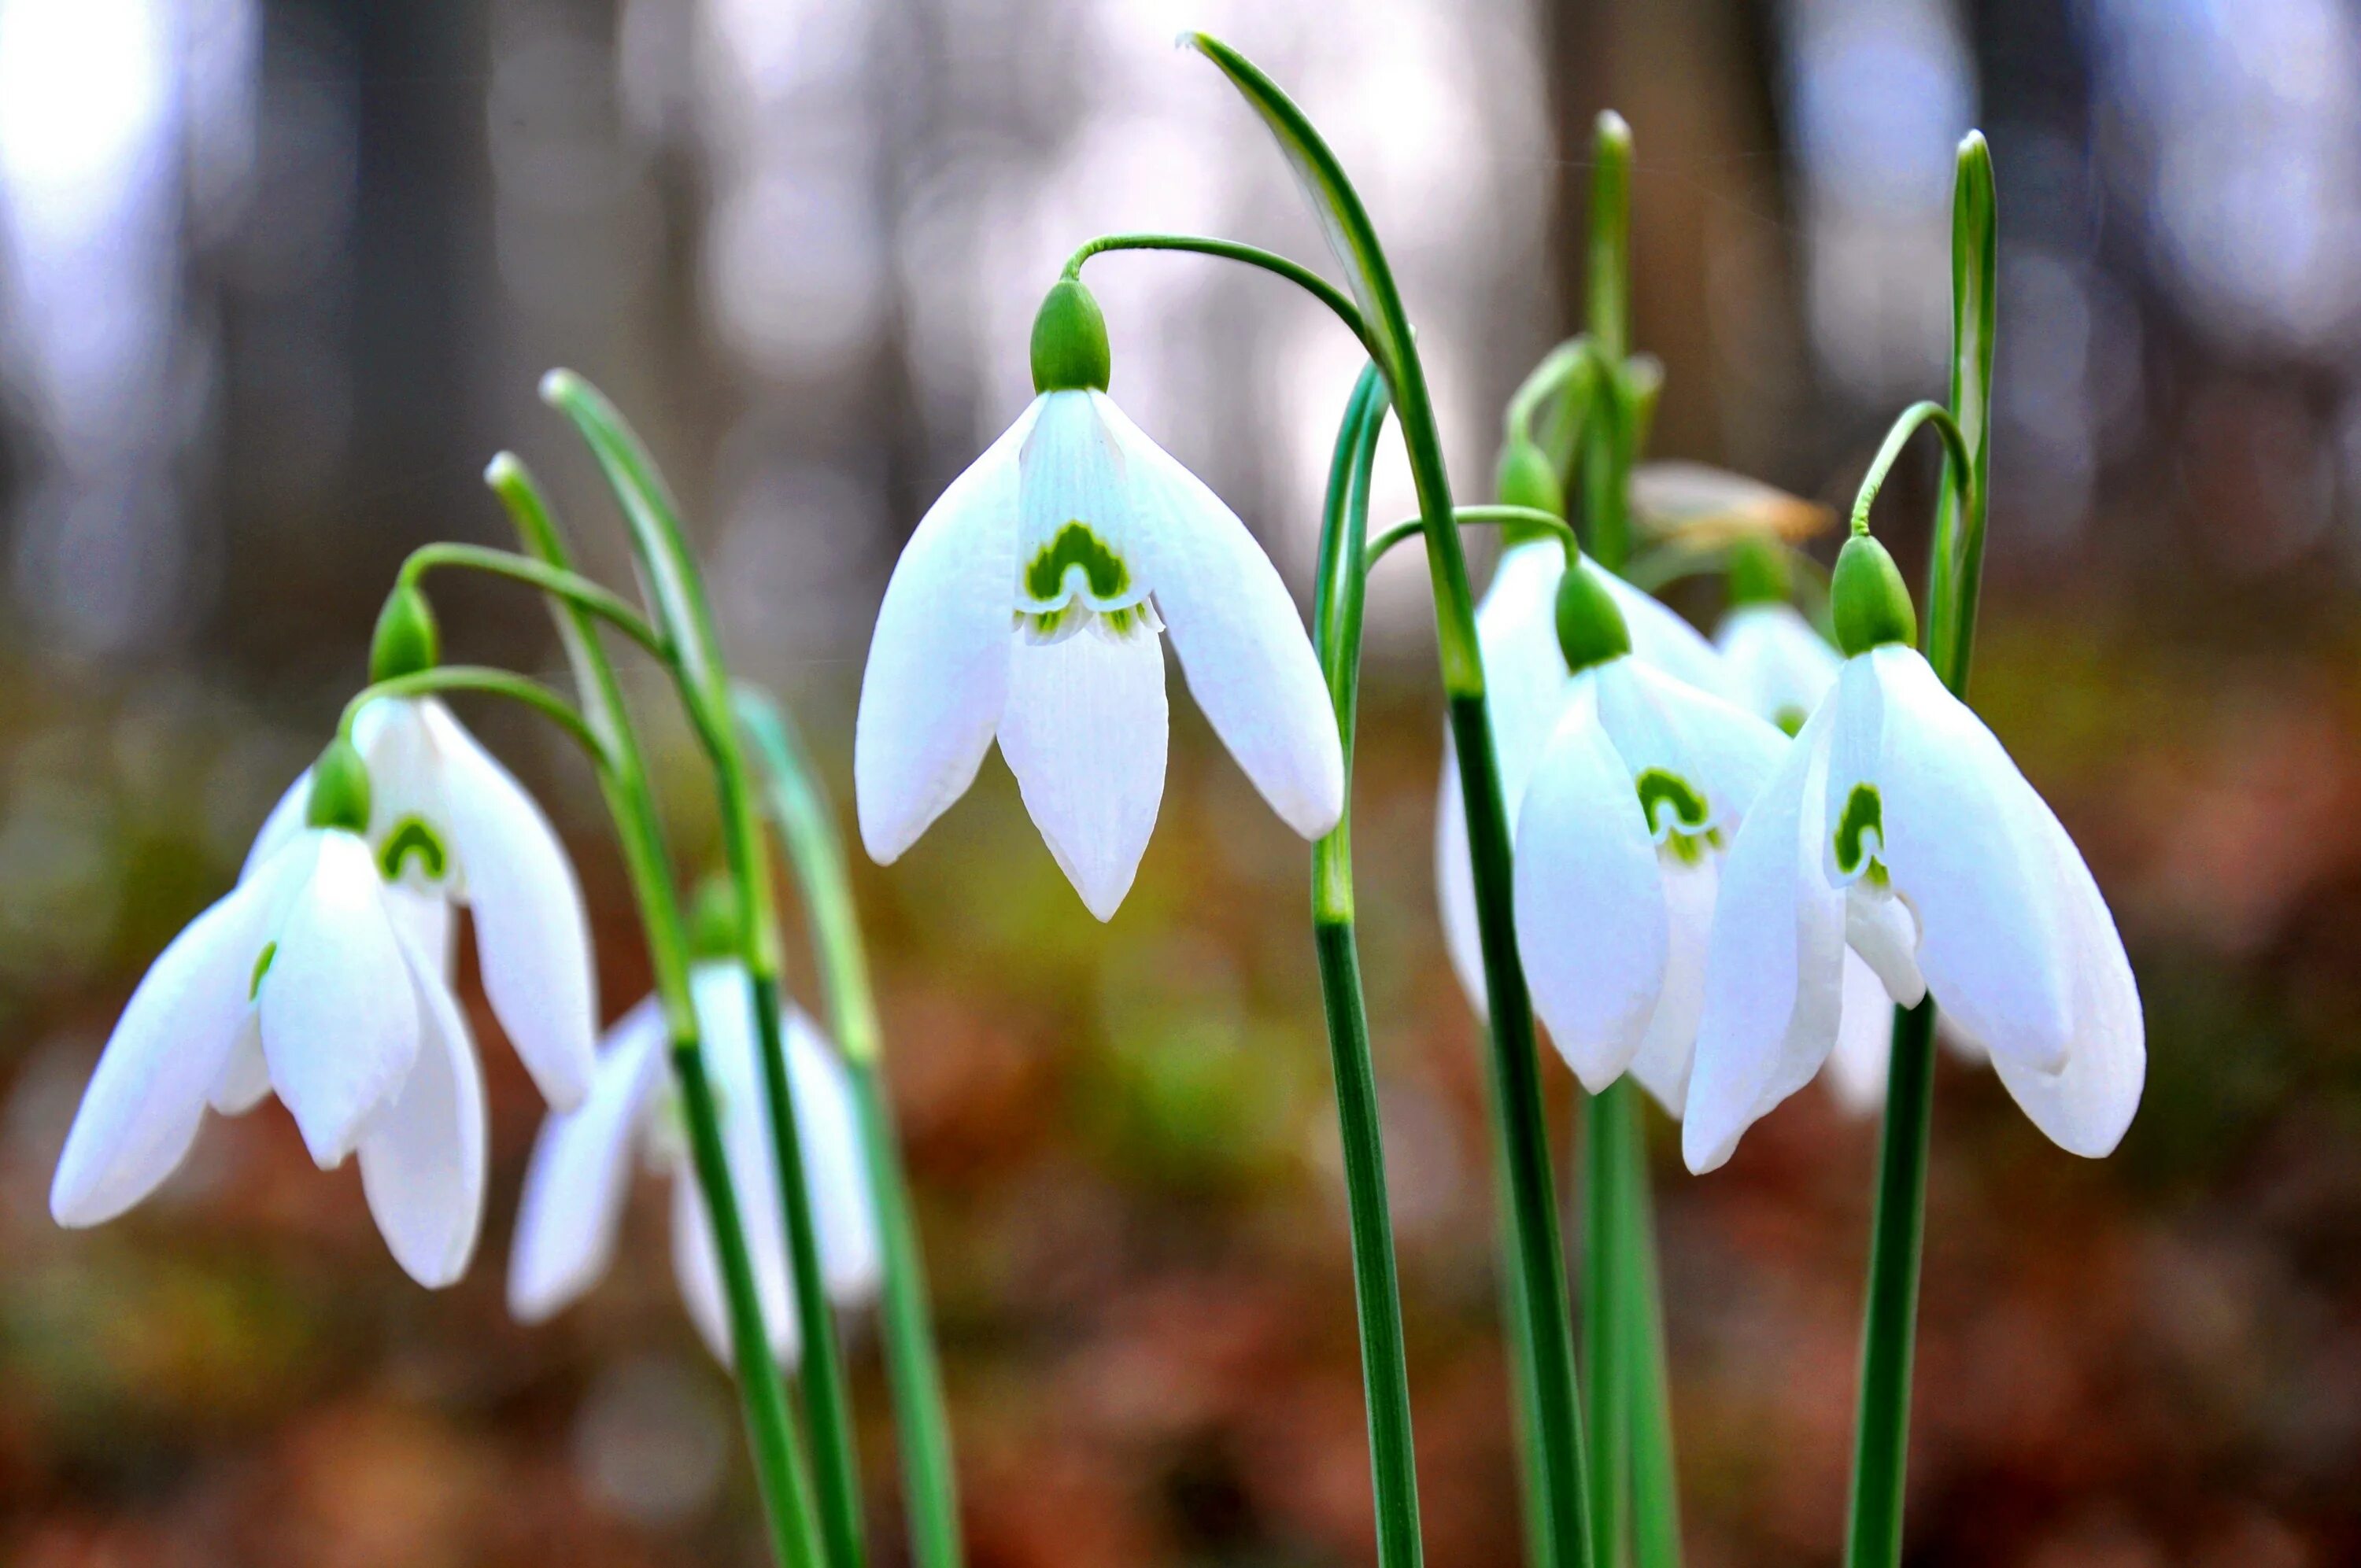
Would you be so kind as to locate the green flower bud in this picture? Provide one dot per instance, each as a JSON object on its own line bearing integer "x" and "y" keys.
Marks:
{"x": 1070, "y": 341}
{"x": 1590, "y": 627}
{"x": 715, "y": 929}
{"x": 1526, "y": 478}
{"x": 340, "y": 789}
{"x": 407, "y": 639}
{"x": 1870, "y": 605}
{"x": 1758, "y": 572}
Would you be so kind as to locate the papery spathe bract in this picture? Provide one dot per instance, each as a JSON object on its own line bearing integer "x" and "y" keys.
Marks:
{"x": 302, "y": 981}
{"x": 449, "y": 823}
{"x": 1898, "y": 826}
{"x": 1525, "y": 685}
{"x": 1030, "y": 605}
{"x": 582, "y": 1165}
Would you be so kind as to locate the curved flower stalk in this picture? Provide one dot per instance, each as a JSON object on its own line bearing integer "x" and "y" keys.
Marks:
{"x": 1899, "y": 827}
{"x": 1031, "y": 605}
{"x": 1643, "y": 781}
{"x": 452, "y": 827}
{"x": 582, "y": 1163}
{"x": 305, "y": 983}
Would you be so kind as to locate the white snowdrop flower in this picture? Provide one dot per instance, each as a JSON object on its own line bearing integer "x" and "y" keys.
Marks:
{"x": 1629, "y": 810}
{"x": 1525, "y": 683}
{"x": 449, "y": 823}
{"x": 1898, "y": 826}
{"x": 306, "y": 982}
{"x": 1031, "y": 605}
{"x": 582, "y": 1164}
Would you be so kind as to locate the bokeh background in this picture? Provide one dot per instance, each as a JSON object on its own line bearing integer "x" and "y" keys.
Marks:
{"x": 276, "y": 278}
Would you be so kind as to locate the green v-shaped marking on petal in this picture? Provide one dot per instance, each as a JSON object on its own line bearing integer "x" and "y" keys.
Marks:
{"x": 261, "y": 968}
{"x": 1104, "y": 573}
{"x": 411, "y": 836}
{"x": 1658, "y": 787}
{"x": 1864, "y": 813}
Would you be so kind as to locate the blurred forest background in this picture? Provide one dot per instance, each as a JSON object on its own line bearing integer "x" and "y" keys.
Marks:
{"x": 276, "y": 278}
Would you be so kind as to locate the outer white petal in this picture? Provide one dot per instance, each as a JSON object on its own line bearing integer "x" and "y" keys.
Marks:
{"x": 244, "y": 1076}
{"x": 1857, "y": 1067}
{"x": 827, "y": 1123}
{"x": 1242, "y": 645}
{"x": 340, "y": 1023}
{"x": 1726, "y": 752}
{"x": 425, "y": 921}
{"x": 2086, "y": 1108}
{"x": 421, "y": 1158}
{"x": 1524, "y": 689}
{"x": 281, "y": 828}
{"x": 725, "y": 1009}
{"x": 938, "y": 672}
{"x": 1775, "y": 965}
{"x": 532, "y": 933}
{"x": 169, "y": 1051}
{"x": 1589, "y": 899}
{"x": 1661, "y": 1062}
{"x": 1084, "y": 732}
{"x": 580, "y": 1172}
{"x": 1777, "y": 667}
{"x": 1965, "y": 844}
{"x": 1660, "y": 637}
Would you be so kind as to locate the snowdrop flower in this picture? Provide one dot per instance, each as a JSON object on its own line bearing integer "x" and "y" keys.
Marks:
{"x": 1897, "y": 825}
{"x": 1618, "y": 849}
{"x": 1031, "y": 605}
{"x": 1525, "y": 686}
{"x": 580, "y": 1173}
{"x": 302, "y": 983}
{"x": 451, "y": 824}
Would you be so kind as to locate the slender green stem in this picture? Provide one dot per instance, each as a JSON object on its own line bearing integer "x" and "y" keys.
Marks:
{"x": 1469, "y": 517}
{"x": 770, "y": 1435}
{"x": 683, "y": 611}
{"x": 800, "y": 810}
{"x": 1336, "y": 635}
{"x": 1889, "y": 1326}
{"x": 1608, "y": 1131}
{"x": 572, "y": 587}
{"x": 1559, "y": 375}
{"x": 1295, "y": 272}
{"x": 1544, "y": 1349}
{"x": 484, "y": 678}
{"x": 1655, "y": 1493}
{"x": 1958, "y": 466}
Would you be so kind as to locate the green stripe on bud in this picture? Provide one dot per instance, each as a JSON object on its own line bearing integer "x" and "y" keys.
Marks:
{"x": 1590, "y": 629}
{"x": 1070, "y": 341}
{"x": 1870, "y": 605}
{"x": 340, "y": 789}
{"x": 1526, "y": 478}
{"x": 1758, "y": 572}
{"x": 407, "y": 639}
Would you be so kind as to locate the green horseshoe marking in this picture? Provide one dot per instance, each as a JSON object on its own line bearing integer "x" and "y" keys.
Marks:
{"x": 1658, "y": 787}
{"x": 1104, "y": 577}
{"x": 411, "y": 836}
{"x": 1864, "y": 813}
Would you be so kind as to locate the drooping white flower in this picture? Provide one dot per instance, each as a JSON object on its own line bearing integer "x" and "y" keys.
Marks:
{"x": 1525, "y": 685}
{"x": 1618, "y": 848}
{"x": 1898, "y": 826}
{"x": 449, "y": 823}
{"x": 1031, "y": 605}
{"x": 302, "y": 981}
{"x": 582, "y": 1164}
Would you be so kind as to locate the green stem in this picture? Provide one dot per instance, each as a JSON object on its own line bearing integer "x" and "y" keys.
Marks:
{"x": 1469, "y": 517}
{"x": 1295, "y": 272}
{"x": 1377, "y": 1294}
{"x": 571, "y": 586}
{"x": 770, "y": 1435}
{"x": 677, "y": 589}
{"x": 1607, "y": 1130}
{"x": 482, "y": 678}
{"x": 1655, "y": 1493}
{"x": 1959, "y": 468}
{"x": 800, "y": 810}
{"x": 1889, "y": 1326}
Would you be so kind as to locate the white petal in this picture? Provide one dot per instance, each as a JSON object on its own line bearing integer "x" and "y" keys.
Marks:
{"x": 425, "y": 922}
{"x": 1660, "y": 637}
{"x": 696, "y": 1261}
{"x": 2086, "y": 1107}
{"x": 1454, "y": 885}
{"x": 1073, "y": 471}
{"x": 171, "y": 1049}
{"x": 1731, "y": 752}
{"x": 532, "y": 933}
{"x": 827, "y": 1123}
{"x": 1777, "y": 667}
{"x": 1965, "y": 845}
{"x": 1661, "y": 1062}
{"x": 406, "y": 745}
{"x": 1589, "y": 899}
{"x": 1857, "y": 1067}
{"x": 1084, "y": 732}
{"x": 579, "y": 1177}
{"x": 421, "y": 1158}
{"x": 937, "y": 669}
{"x": 1775, "y": 965}
{"x": 339, "y": 1022}
{"x": 281, "y": 828}
{"x": 244, "y": 1076}
{"x": 1883, "y": 934}
{"x": 1242, "y": 647}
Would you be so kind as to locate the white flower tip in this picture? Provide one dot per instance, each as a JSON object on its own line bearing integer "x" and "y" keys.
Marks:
{"x": 1703, "y": 1147}
{"x": 71, "y": 1201}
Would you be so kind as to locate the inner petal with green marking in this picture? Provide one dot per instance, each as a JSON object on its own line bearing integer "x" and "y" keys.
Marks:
{"x": 1671, "y": 803}
{"x": 1078, "y": 564}
{"x": 411, "y": 839}
{"x": 1861, "y": 835}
